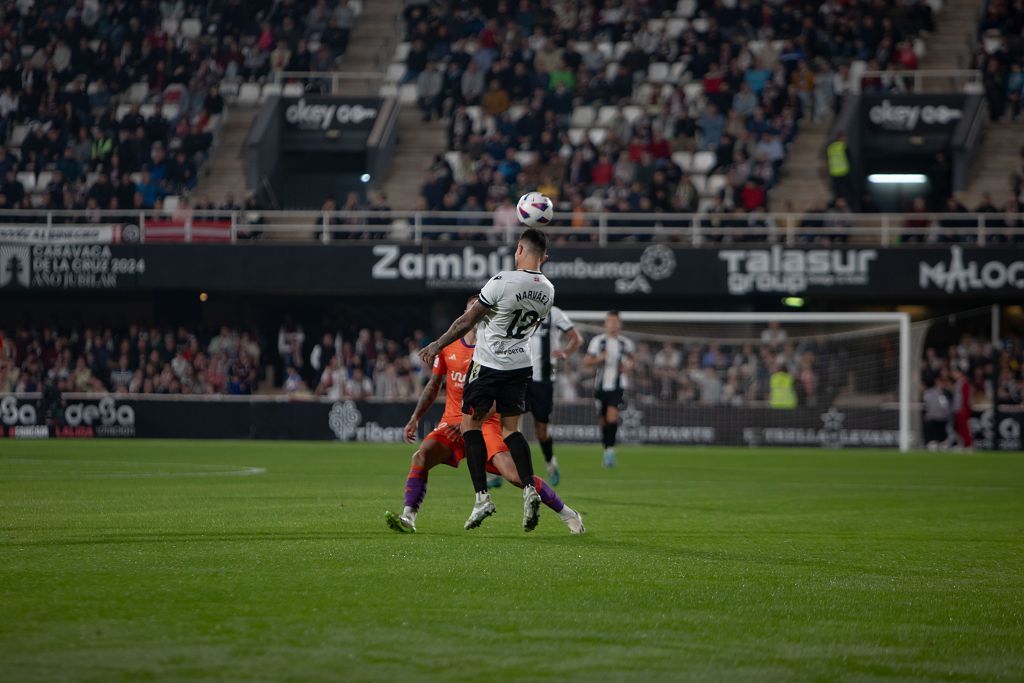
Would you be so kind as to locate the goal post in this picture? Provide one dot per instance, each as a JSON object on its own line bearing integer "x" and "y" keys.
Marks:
{"x": 864, "y": 336}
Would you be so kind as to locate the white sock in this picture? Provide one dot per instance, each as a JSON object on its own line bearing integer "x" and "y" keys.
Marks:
{"x": 409, "y": 514}
{"x": 566, "y": 513}
{"x": 554, "y": 461}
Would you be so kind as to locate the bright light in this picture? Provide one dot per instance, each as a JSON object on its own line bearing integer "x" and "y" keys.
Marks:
{"x": 203, "y": 297}
{"x": 365, "y": 177}
{"x": 794, "y": 301}
{"x": 898, "y": 178}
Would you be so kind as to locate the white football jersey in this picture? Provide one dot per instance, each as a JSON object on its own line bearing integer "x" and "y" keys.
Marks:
{"x": 548, "y": 338}
{"x": 517, "y": 302}
{"x": 609, "y": 373}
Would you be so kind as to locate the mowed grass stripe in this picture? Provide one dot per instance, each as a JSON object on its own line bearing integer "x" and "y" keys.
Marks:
{"x": 699, "y": 564}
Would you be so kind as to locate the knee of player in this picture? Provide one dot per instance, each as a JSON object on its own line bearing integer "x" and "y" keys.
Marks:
{"x": 418, "y": 458}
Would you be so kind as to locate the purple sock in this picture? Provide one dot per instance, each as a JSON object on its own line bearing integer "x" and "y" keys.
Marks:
{"x": 415, "y": 487}
{"x": 547, "y": 494}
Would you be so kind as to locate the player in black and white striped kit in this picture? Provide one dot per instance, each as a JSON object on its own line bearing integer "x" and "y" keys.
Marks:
{"x": 555, "y": 340}
{"x": 612, "y": 355}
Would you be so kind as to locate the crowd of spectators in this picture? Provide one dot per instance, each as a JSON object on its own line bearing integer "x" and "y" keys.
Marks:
{"x": 541, "y": 95}
{"x": 114, "y": 105}
{"x": 1000, "y": 57}
{"x": 133, "y": 360}
{"x": 366, "y": 365}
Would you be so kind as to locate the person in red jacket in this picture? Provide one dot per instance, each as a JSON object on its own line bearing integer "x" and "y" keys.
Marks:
{"x": 962, "y": 408}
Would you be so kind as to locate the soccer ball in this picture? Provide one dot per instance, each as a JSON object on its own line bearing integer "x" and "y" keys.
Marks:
{"x": 534, "y": 209}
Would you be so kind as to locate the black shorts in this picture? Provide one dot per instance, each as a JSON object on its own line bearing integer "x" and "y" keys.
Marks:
{"x": 608, "y": 399}
{"x": 504, "y": 389}
{"x": 540, "y": 400}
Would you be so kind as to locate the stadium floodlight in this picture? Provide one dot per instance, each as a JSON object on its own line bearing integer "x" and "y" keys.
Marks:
{"x": 857, "y": 368}
{"x": 898, "y": 178}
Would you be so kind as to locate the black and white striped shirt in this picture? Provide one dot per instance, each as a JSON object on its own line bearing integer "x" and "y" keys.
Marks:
{"x": 548, "y": 338}
{"x": 609, "y": 373}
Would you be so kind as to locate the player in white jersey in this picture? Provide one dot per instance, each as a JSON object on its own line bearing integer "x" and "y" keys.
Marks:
{"x": 508, "y": 311}
{"x": 612, "y": 355}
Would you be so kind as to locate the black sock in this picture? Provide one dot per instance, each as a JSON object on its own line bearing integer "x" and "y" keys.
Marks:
{"x": 476, "y": 458}
{"x": 519, "y": 447}
{"x": 549, "y": 449}
{"x": 608, "y": 434}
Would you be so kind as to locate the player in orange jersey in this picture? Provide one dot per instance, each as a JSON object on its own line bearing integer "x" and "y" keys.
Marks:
{"x": 444, "y": 444}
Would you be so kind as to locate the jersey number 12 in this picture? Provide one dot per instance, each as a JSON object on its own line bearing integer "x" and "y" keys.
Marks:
{"x": 522, "y": 321}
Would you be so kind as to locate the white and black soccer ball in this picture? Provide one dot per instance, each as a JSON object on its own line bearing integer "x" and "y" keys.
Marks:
{"x": 534, "y": 209}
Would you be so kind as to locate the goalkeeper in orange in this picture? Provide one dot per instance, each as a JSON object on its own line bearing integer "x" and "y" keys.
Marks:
{"x": 444, "y": 445}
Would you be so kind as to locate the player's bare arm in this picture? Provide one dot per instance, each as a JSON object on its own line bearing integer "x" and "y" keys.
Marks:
{"x": 572, "y": 340}
{"x": 590, "y": 360}
{"x": 463, "y": 324}
{"x": 427, "y": 398}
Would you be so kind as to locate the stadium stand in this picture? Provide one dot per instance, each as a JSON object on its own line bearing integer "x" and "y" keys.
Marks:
{"x": 117, "y": 105}
{"x": 639, "y": 107}
{"x": 132, "y": 360}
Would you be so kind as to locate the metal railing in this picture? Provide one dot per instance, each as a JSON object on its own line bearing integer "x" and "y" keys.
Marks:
{"x": 186, "y": 224}
{"x": 335, "y": 82}
{"x": 933, "y": 80}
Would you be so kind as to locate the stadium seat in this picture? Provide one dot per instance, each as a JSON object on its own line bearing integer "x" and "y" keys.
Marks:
{"x": 974, "y": 88}
{"x": 632, "y": 113}
{"x": 147, "y": 110}
{"x": 716, "y": 183}
{"x": 388, "y": 90}
{"x": 700, "y": 183}
{"x": 249, "y": 94}
{"x": 694, "y": 91}
{"x": 121, "y": 111}
{"x": 621, "y": 48}
{"x": 170, "y": 26}
{"x": 583, "y": 117}
{"x": 171, "y": 203}
{"x": 607, "y": 116}
{"x": 576, "y": 136}
{"x": 477, "y": 115}
{"x": 657, "y": 72}
{"x": 401, "y": 52}
{"x": 28, "y": 180}
{"x": 703, "y": 162}
{"x": 171, "y": 111}
{"x": 136, "y": 177}
{"x": 643, "y": 93}
{"x": 37, "y": 200}
{"x": 516, "y": 111}
{"x": 43, "y": 179}
{"x": 677, "y": 70}
{"x": 270, "y": 90}
{"x": 675, "y": 26}
{"x": 527, "y": 158}
{"x": 683, "y": 160}
{"x": 356, "y": 6}
{"x": 229, "y": 89}
{"x": 701, "y": 25}
{"x": 191, "y": 28}
{"x": 19, "y": 134}
{"x": 91, "y": 178}
{"x": 407, "y": 93}
{"x": 757, "y": 47}
{"x": 293, "y": 89}
{"x": 597, "y": 136}
{"x": 395, "y": 72}
{"x": 686, "y": 8}
{"x": 655, "y": 25}
{"x": 920, "y": 50}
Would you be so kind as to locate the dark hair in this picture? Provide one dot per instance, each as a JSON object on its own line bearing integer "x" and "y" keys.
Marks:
{"x": 535, "y": 240}
{"x": 612, "y": 314}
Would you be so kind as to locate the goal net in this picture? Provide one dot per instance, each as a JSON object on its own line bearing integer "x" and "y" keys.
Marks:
{"x": 751, "y": 379}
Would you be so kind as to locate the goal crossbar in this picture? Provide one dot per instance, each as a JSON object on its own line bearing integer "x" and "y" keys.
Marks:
{"x": 898, "y": 319}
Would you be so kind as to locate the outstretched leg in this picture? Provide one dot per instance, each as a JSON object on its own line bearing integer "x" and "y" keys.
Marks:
{"x": 504, "y": 464}
{"x": 430, "y": 454}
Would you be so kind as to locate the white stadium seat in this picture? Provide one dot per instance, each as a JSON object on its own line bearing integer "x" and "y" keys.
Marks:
{"x": 170, "y": 26}
{"x": 716, "y": 183}
{"x": 703, "y": 162}
{"x": 701, "y": 25}
{"x": 686, "y": 8}
{"x": 516, "y": 111}
{"x": 607, "y": 49}
{"x": 270, "y": 90}
{"x": 171, "y": 111}
{"x": 395, "y": 72}
{"x": 43, "y": 179}
{"x": 388, "y": 90}
{"x": 675, "y": 26}
{"x": 576, "y": 136}
{"x": 249, "y": 94}
{"x": 621, "y": 48}
{"x": 632, "y": 113}
{"x": 657, "y": 72}
{"x": 28, "y": 180}
{"x": 655, "y": 25}
{"x": 683, "y": 160}
{"x": 583, "y": 117}
{"x": 597, "y": 136}
{"x": 19, "y": 134}
{"x": 607, "y": 116}
{"x": 527, "y": 158}
{"x": 137, "y": 92}
{"x": 407, "y": 93}
{"x": 171, "y": 203}
{"x": 700, "y": 182}
{"x": 191, "y": 28}
{"x": 693, "y": 91}
{"x": 401, "y": 52}
{"x": 293, "y": 90}
{"x": 122, "y": 111}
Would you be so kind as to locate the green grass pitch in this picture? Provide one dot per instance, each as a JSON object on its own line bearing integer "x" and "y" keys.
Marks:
{"x": 136, "y": 561}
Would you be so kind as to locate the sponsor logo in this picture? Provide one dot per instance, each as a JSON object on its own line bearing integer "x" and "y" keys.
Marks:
{"x": 440, "y": 271}
{"x": 996, "y": 432}
{"x": 632, "y": 429}
{"x": 13, "y": 414}
{"x": 41, "y": 234}
{"x": 832, "y": 434}
{"x": 656, "y": 262}
{"x": 346, "y": 421}
{"x": 792, "y": 271}
{"x": 323, "y": 116}
{"x": 30, "y": 432}
{"x": 956, "y": 275}
{"x": 64, "y": 266}
{"x": 901, "y": 117}
{"x": 104, "y": 418}
{"x": 14, "y": 266}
